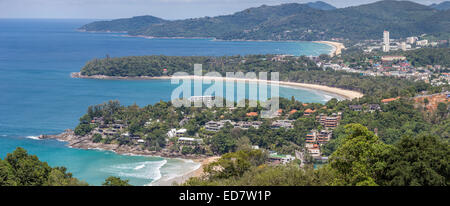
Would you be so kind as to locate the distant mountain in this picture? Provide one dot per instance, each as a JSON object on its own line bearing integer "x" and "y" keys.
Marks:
{"x": 298, "y": 22}
{"x": 321, "y": 5}
{"x": 123, "y": 25}
{"x": 442, "y": 6}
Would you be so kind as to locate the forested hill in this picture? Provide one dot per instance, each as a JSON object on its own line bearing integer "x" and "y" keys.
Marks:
{"x": 296, "y": 22}
{"x": 442, "y": 6}
{"x": 123, "y": 25}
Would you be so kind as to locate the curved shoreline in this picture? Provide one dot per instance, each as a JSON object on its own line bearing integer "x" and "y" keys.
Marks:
{"x": 338, "y": 47}
{"x": 346, "y": 94}
{"x": 85, "y": 142}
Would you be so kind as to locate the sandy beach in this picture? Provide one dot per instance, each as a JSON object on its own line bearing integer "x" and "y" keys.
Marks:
{"x": 346, "y": 94}
{"x": 338, "y": 47}
{"x": 181, "y": 179}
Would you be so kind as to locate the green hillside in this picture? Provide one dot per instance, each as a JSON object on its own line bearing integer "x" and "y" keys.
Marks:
{"x": 298, "y": 22}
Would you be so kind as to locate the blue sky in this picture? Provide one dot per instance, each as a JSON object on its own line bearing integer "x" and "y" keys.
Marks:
{"x": 168, "y": 9}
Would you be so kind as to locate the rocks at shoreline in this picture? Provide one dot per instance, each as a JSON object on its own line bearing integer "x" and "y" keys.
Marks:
{"x": 85, "y": 142}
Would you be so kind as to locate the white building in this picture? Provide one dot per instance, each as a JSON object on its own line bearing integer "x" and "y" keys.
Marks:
{"x": 411, "y": 40}
{"x": 422, "y": 43}
{"x": 188, "y": 140}
{"x": 386, "y": 42}
{"x": 176, "y": 133}
{"x": 403, "y": 46}
{"x": 207, "y": 100}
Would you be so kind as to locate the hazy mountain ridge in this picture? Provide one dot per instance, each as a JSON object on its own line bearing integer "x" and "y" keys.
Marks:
{"x": 297, "y": 22}
{"x": 321, "y": 5}
{"x": 442, "y": 6}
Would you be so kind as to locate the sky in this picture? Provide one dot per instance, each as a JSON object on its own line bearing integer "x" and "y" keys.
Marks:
{"x": 167, "y": 9}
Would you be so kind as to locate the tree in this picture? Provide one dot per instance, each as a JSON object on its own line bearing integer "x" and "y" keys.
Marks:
{"x": 442, "y": 110}
{"x": 418, "y": 161}
{"x": 7, "y": 177}
{"x": 115, "y": 181}
{"x": 21, "y": 169}
{"x": 359, "y": 158}
{"x": 96, "y": 138}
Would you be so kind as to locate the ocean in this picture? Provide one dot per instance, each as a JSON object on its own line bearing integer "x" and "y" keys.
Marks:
{"x": 38, "y": 96}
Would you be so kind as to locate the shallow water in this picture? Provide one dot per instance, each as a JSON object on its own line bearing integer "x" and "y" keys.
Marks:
{"x": 37, "y": 95}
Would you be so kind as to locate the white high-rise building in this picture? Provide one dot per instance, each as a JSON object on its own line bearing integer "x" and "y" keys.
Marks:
{"x": 403, "y": 46}
{"x": 411, "y": 40}
{"x": 386, "y": 42}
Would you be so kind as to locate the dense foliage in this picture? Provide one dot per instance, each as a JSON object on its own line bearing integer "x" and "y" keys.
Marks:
{"x": 21, "y": 169}
{"x": 115, "y": 181}
{"x": 361, "y": 160}
{"x": 298, "y": 22}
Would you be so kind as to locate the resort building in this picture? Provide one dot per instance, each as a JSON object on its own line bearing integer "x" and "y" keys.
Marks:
{"x": 275, "y": 158}
{"x": 247, "y": 125}
{"x": 311, "y": 137}
{"x": 189, "y": 141}
{"x": 314, "y": 151}
{"x": 288, "y": 124}
{"x": 214, "y": 126}
{"x": 324, "y": 136}
{"x": 356, "y": 108}
{"x": 330, "y": 122}
{"x": 176, "y": 133}
{"x": 207, "y": 100}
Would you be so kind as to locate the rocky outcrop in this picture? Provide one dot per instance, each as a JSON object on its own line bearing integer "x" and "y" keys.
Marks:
{"x": 85, "y": 142}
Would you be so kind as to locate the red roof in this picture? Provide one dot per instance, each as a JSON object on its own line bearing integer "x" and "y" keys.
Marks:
{"x": 389, "y": 100}
{"x": 252, "y": 114}
{"x": 293, "y": 111}
{"x": 309, "y": 111}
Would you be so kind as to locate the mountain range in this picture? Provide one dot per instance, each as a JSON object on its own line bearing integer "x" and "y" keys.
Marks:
{"x": 442, "y": 6}
{"x": 293, "y": 21}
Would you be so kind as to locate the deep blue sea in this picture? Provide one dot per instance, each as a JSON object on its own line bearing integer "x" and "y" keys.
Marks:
{"x": 37, "y": 95}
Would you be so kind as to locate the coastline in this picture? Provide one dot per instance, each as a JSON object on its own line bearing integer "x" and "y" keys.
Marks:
{"x": 85, "y": 142}
{"x": 199, "y": 172}
{"x": 346, "y": 94}
{"x": 338, "y": 47}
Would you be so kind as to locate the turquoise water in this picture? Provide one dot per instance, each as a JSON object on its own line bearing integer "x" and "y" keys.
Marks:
{"x": 37, "y": 95}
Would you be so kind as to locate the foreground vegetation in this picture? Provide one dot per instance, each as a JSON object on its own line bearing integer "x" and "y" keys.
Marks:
{"x": 361, "y": 160}
{"x": 22, "y": 169}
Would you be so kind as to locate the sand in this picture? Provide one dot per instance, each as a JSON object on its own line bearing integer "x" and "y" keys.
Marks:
{"x": 181, "y": 179}
{"x": 338, "y": 47}
{"x": 346, "y": 94}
